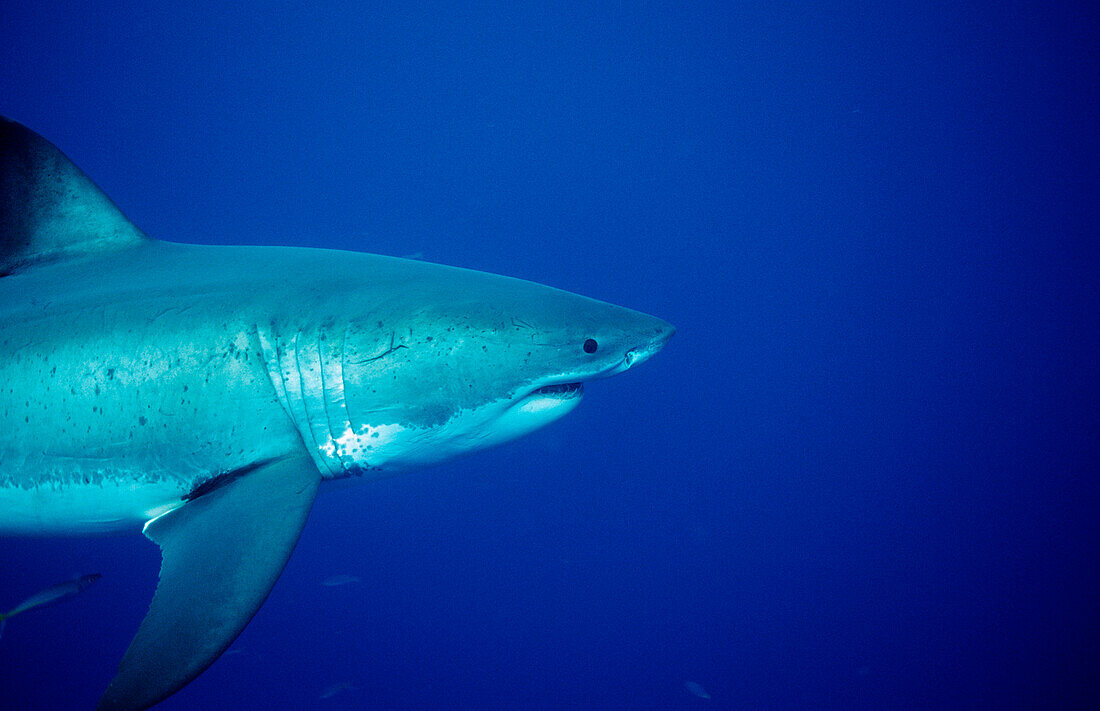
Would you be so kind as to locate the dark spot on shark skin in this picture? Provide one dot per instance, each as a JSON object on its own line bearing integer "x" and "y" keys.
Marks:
{"x": 142, "y": 420}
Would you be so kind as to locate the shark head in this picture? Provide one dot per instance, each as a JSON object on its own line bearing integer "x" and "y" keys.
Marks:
{"x": 451, "y": 362}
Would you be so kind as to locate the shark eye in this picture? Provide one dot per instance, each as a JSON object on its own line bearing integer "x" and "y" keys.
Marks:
{"x": 590, "y": 345}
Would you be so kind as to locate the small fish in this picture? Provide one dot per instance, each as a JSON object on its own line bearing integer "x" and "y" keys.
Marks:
{"x": 49, "y": 596}
{"x": 337, "y": 580}
{"x": 334, "y": 689}
{"x": 696, "y": 690}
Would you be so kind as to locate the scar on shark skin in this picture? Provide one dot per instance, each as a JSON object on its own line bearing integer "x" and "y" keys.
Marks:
{"x": 392, "y": 349}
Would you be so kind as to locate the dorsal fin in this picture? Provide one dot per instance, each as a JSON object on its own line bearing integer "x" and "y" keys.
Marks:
{"x": 49, "y": 208}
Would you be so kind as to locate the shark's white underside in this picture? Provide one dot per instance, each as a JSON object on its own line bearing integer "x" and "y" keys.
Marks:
{"x": 81, "y": 509}
{"x": 113, "y": 501}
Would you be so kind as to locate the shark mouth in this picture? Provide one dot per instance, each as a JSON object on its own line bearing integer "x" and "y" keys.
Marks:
{"x": 561, "y": 390}
{"x": 558, "y": 398}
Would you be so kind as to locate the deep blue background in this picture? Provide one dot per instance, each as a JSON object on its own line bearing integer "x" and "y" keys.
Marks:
{"x": 861, "y": 476}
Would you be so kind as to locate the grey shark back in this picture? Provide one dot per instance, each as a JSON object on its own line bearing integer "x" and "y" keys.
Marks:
{"x": 206, "y": 393}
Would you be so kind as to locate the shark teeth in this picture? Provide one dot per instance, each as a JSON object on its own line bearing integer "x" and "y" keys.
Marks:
{"x": 562, "y": 389}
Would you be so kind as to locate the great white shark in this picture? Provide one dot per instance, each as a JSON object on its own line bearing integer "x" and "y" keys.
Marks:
{"x": 205, "y": 393}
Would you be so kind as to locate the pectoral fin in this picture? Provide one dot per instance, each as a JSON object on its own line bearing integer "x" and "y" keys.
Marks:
{"x": 221, "y": 554}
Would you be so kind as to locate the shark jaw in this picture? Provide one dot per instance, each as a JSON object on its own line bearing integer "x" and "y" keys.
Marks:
{"x": 556, "y": 399}
{"x": 523, "y": 415}
{"x": 549, "y": 398}
{"x": 553, "y": 399}
{"x": 469, "y": 431}
{"x": 538, "y": 409}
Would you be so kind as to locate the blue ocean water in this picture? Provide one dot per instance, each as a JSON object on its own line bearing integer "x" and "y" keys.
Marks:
{"x": 861, "y": 476}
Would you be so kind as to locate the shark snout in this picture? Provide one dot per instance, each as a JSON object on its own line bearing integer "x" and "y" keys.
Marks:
{"x": 656, "y": 340}
{"x": 666, "y": 332}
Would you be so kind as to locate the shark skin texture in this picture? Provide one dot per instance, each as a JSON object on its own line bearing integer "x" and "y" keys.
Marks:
{"x": 205, "y": 393}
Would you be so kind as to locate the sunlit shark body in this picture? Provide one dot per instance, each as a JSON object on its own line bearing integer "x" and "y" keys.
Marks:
{"x": 205, "y": 392}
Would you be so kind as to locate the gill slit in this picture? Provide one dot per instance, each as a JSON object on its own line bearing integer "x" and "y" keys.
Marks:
{"x": 343, "y": 356}
{"x": 337, "y": 360}
{"x": 337, "y": 389}
{"x": 269, "y": 346}
{"x": 307, "y": 425}
{"x": 324, "y": 392}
